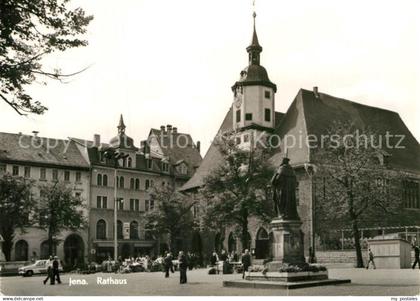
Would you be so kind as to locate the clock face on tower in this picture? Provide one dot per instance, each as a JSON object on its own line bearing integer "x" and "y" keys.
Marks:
{"x": 238, "y": 100}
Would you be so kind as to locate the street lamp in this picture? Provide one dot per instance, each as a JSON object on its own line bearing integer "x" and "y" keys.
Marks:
{"x": 310, "y": 170}
{"x": 115, "y": 155}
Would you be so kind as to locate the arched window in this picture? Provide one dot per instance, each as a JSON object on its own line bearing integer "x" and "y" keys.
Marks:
{"x": 99, "y": 180}
{"x": 121, "y": 182}
{"x": 137, "y": 184}
{"x": 105, "y": 180}
{"x": 120, "y": 230}
{"x": 21, "y": 250}
{"x": 134, "y": 230}
{"x": 131, "y": 183}
{"x": 45, "y": 253}
{"x": 101, "y": 229}
{"x": 129, "y": 162}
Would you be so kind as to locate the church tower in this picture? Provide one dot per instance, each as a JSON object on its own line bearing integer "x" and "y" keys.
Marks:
{"x": 253, "y": 102}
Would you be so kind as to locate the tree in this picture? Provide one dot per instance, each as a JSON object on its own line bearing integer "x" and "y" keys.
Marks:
{"x": 16, "y": 205}
{"x": 172, "y": 214}
{"x": 236, "y": 189}
{"x": 29, "y": 31}
{"x": 59, "y": 210}
{"x": 355, "y": 184}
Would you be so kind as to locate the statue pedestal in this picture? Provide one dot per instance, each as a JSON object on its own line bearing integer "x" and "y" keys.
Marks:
{"x": 287, "y": 244}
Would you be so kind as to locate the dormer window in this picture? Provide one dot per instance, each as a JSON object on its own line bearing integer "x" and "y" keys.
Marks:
{"x": 165, "y": 167}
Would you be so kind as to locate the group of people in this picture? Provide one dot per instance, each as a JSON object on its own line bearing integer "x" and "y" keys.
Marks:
{"x": 53, "y": 272}
{"x": 225, "y": 259}
{"x": 182, "y": 265}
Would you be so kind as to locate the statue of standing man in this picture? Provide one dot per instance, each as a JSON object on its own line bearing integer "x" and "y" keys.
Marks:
{"x": 284, "y": 191}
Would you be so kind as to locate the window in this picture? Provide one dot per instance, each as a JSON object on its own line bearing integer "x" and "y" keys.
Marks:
{"x": 55, "y": 174}
{"x": 165, "y": 167}
{"x": 42, "y": 174}
{"x": 151, "y": 205}
{"x": 27, "y": 172}
{"x": 238, "y": 140}
{"x": 238, "y": 115}
{"x": 101, "y": 229}
{"x": 146, "y": 205}
{"x": 134, "y": 205}
{"x": 134, "y": 230}
{"x": 67, "y": 176}
{"x": 99, "y": 180}
{"x": 21, "y": 250}
{"x": 137, "y": 186}
{"x": 129, "y": 162}
{"x": 149, "y": 163}
{"x": 147, "y": 184}
{"x": 78, "y": 176}
{"x": 267, "y": 94}
{"x": 120, "y": 204}
{"x": 246, "y": 138}
{"x": 411, "y": 197}
{"x": 101, "y": 202}
{"x": 121, "y": 182}
{"x": 183, "y": 169}
{"x": 248, "y": 116}
{"x": 15, "y": 170}
{"x": 104, "y": 180}
{"x": 131, "y": 183}
{"x": 120, "y": 230}
{"x": 267, "y": 115}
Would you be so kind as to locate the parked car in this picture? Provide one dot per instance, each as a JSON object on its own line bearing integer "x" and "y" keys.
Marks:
{"x": 39, "y": 267}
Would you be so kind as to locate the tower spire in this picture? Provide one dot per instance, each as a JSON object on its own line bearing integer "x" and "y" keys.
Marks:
{"x": 254, "y": 49}
{"x": 121, "y": 125}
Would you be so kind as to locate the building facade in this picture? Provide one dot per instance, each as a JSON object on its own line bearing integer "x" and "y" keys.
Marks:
{"x": 46, "y": 161}
{"x": 83, "y": 166}
{"x": 311, "y": 113}
{"x": 155, "y": 162}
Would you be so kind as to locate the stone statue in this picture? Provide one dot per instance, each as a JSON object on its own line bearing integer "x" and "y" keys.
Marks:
{"x": 284, "y": 191}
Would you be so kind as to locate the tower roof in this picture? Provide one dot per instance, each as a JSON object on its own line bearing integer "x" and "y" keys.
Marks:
{"x": 254, "y": 41}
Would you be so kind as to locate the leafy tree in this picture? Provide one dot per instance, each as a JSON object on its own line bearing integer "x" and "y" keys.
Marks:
{"x": 31, "y": 29}
{"x": 353, "y": 183}
{"x": 172, "y": 214}
{"x": 16, "y": 205}
{"x": 236, "y": 190}
{"x": 59, "y": 210}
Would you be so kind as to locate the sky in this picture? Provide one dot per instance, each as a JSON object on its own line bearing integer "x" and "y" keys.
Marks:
{"x": 161, "y": 62}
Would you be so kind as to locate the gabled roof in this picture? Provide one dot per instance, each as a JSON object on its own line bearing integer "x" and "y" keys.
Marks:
{"x": 40, "y": 150}
{"x": 178, "y": 146}
{"x": 320, "y": 112}
{"x": 311, "y": 115}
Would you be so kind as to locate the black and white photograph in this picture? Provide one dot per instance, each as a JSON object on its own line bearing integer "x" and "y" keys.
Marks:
{"x": 209, "y": 148}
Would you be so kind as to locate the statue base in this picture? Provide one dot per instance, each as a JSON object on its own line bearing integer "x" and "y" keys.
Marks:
{"x": 287, "y": 244}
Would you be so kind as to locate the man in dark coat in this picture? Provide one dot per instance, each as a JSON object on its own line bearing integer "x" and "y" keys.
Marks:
{"x": 168, "y": 264}
{"x": 416, "y": 256}
{"x": 246, "y": 262}
{"x": 56, "y": 272}
{"x": 183, "y": 265}
{"x": 284, "y": 191}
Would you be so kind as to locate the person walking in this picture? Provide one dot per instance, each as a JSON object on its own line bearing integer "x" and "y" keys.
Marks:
{"x": 55, "y": 271}
{"x": 416, "y": 256}
{"x": 246, "y": 262}
{"x": 168, "y": 264}
{"x": 183, "y": 265}
{"x": 49, "y": 269}
{"x": 371, "y": 257}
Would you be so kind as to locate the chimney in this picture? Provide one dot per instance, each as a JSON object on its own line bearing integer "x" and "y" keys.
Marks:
{"x": 315, "y": 89}
{"x": 162, "y": 128}
{"x": 198, "y": 146}
{"x": 175, "y": 130}
{"x": 35, "y": 133}
{"x": 169, "y": 128}
{"x": 96, "y": 140}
